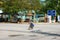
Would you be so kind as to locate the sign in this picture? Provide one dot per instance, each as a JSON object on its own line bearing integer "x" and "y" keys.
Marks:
{"x": 51, "y": 12}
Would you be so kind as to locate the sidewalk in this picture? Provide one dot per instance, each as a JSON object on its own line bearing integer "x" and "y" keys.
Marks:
{"x": 33, "y": 22}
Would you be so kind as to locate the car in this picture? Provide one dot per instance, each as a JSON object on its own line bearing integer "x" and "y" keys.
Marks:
{"x": 14, "y": 20}
{"x": 41, "y": 19}
{"x": 27, "y": 20}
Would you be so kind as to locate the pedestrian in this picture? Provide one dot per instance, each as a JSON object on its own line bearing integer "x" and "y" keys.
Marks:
{"x": 31, "y": 26}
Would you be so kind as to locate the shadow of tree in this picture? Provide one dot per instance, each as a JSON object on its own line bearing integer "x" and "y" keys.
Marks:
{"x": 45, "y": 33}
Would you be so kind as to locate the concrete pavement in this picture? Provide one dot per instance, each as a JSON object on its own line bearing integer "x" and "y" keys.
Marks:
{"x": 41, "y": 31}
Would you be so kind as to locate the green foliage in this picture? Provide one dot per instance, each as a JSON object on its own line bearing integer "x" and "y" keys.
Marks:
{"x": 51, "y": 5}
{"x": 12, "y": 6}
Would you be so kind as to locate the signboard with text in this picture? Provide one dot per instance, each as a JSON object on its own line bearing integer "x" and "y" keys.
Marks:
{"x": 51, "y": 12}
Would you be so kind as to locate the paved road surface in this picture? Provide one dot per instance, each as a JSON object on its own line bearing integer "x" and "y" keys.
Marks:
{"x": 41, "y": 31}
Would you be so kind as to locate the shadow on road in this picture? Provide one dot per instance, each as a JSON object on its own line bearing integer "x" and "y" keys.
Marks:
{"x": 33, "y": 31}
{"x": 45, "y": 33}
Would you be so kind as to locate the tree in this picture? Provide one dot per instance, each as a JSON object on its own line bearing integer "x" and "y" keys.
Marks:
{"x": 58, "y": 7}
{"x": 12, "y": 6}
{"x": 51, "y": 5}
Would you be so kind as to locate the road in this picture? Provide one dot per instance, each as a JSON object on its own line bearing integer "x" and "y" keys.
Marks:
{"x": 41, "y": 31}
